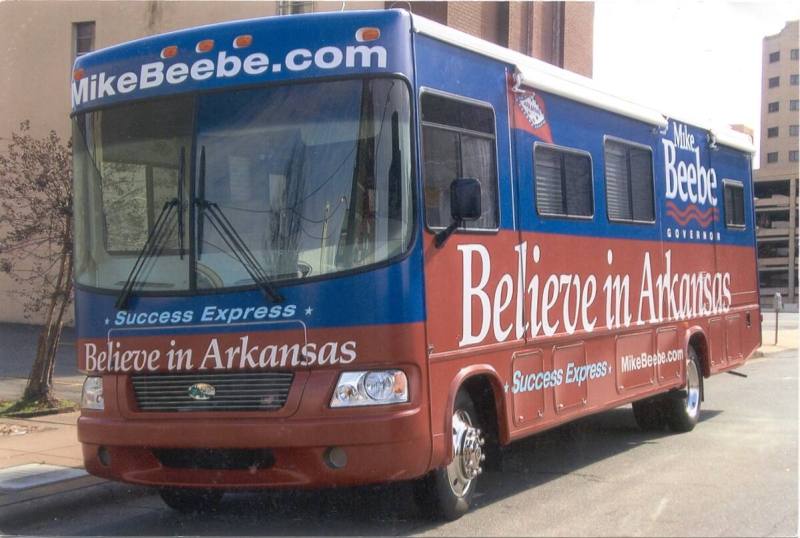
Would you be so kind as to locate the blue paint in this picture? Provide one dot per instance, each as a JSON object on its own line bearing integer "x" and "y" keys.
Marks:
{"x": 274, "y": 37}
{"x": 393, "y": 293}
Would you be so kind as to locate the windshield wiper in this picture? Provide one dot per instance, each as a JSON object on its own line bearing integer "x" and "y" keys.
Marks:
{"x": 154, "y": 241}
{"x": 181, "y": 172}
{"x": 230, "y": 236}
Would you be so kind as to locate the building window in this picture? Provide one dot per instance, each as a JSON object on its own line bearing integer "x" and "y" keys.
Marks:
{"x": 563, "y": 182}
{"x": 794, "y": 54}
{"x": 295, "y": 7}
{"x": 774, "y": 57}
{"x": 772, "y": 107}
{"x": 458, "y": 141}
{"x": 793, "y": 156}
{"x": 772, "y": 132}
{"x": 793, "y": 130}
{"x": 793, "y": 104}
{"x": 734, "y": 204}
{"x": 774, "y": 82}
{"x": 83, "y": 33}
{"x": 772, "y": 157}
{"x": 629, "y": 182}
{"x": 794, "y": 80}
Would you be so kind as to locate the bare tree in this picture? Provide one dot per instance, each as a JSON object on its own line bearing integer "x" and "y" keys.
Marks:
{"x": 36, "y": 241}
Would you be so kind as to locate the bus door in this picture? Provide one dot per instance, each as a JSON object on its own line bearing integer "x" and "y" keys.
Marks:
{"x": 735, "y": 259}
{"x": 718, "y": 331}
{"x": 470, "y": 279}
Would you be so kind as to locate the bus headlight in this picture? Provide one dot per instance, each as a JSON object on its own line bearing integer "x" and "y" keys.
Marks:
{"x": 92, "y": 394}
{"x": 376, "y": 387}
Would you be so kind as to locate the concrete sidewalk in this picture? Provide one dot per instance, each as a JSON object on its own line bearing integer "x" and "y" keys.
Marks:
{"x": 40, "y": 457}
{"x": 788, "y": 333}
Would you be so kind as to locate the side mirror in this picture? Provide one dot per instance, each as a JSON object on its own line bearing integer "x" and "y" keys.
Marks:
{"x": 465, "y": 199}
{"x": 465, "y": 205}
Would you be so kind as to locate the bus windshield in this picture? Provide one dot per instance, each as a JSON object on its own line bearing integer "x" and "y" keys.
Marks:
{"x": 313, "y": 179}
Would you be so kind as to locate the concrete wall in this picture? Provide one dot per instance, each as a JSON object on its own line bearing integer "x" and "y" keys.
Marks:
{"x": 782, "y": 42}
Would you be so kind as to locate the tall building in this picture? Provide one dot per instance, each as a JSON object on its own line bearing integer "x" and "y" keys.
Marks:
{"x": 776, "y": 181}
{"x": 41, "y": 39}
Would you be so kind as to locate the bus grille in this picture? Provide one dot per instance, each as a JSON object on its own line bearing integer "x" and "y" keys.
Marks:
{"x": 232, "y": 392}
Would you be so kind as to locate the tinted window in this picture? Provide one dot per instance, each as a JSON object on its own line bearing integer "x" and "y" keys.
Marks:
{"x": 734, "y": 204}
{"x": 629, "y": 182}
{"x": 84, "y": 37}
{"x": 458, "y": 140}
{"x": 563, "y": 182}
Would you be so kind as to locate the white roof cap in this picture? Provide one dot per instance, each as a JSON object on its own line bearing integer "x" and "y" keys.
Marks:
{"x": 552, "y": 79}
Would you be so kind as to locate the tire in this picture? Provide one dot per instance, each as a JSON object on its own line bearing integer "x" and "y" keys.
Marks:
{"x": 187, "y": 500}
{"x": 682, "y": 408}
{"x": 649, "y": 415}
{"x": 446, "y": 493}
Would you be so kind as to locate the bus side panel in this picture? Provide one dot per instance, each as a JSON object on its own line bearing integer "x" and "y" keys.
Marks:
{"x": 606, "y": 307}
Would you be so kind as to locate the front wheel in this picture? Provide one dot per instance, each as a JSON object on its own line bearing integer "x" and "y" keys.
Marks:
{"x": 682, "y": 409}
{"x": 447, "y": 492}
{"x": 188, "y": 500}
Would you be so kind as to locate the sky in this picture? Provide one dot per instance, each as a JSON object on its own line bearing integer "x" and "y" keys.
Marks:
{"x": 697, "y": 59}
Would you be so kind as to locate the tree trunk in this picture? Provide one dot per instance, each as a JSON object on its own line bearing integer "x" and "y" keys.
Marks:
{"x": 40, "y": 381}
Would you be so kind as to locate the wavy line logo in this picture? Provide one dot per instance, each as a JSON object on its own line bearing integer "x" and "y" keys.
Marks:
{"x": 692, "y": 212}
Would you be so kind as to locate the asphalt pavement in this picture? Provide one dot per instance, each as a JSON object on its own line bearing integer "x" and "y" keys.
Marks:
{"x": 736, "y": 474}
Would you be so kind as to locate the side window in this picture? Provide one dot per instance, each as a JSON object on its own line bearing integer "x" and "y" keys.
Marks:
{"x": 734, "y": 204}
{"x": 458, "y": 140}
{"x": 629, "y": 182}
{"x": 563, "y": 182}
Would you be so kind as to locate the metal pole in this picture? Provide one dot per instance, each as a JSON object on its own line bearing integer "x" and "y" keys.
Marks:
{"x": 777, "y": 303}
{"x": 776, "y": 327}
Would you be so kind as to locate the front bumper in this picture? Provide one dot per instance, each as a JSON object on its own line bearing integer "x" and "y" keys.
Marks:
{"x": 379, "y": 448}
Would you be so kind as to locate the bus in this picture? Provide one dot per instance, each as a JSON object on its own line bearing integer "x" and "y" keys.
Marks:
{"x": 353, "y": 248}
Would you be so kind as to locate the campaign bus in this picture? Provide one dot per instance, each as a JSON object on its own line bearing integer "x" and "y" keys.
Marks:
{"x": 353, "y": 248}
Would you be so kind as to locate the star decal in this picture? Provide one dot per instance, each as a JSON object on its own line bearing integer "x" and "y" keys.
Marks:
{"x": 309, "y": 310}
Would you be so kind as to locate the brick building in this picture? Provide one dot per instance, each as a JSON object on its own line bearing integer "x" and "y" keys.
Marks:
{"x": 41, "y": 40}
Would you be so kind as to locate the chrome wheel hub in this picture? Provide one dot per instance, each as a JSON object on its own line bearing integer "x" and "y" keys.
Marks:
{"x": 467, "y": 454}
{"x": 692, "y": 389}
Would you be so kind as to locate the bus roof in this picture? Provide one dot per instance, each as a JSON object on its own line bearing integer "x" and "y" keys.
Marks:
{"x": 552, "y": 79}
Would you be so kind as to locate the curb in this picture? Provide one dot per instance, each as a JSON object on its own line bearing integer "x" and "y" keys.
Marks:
{"x": 760, "y": 353}
{"x": 47, "y": 490}
{"x": 61, "y": 499}
{"x": 41, "y": 413}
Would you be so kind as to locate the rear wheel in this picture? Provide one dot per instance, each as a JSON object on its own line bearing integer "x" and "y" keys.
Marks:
{"x": 682, "y": 408}
{"x": 649, "y": 415}
{"x": 447, "y": 492}
{"x": 188, "y": 500}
